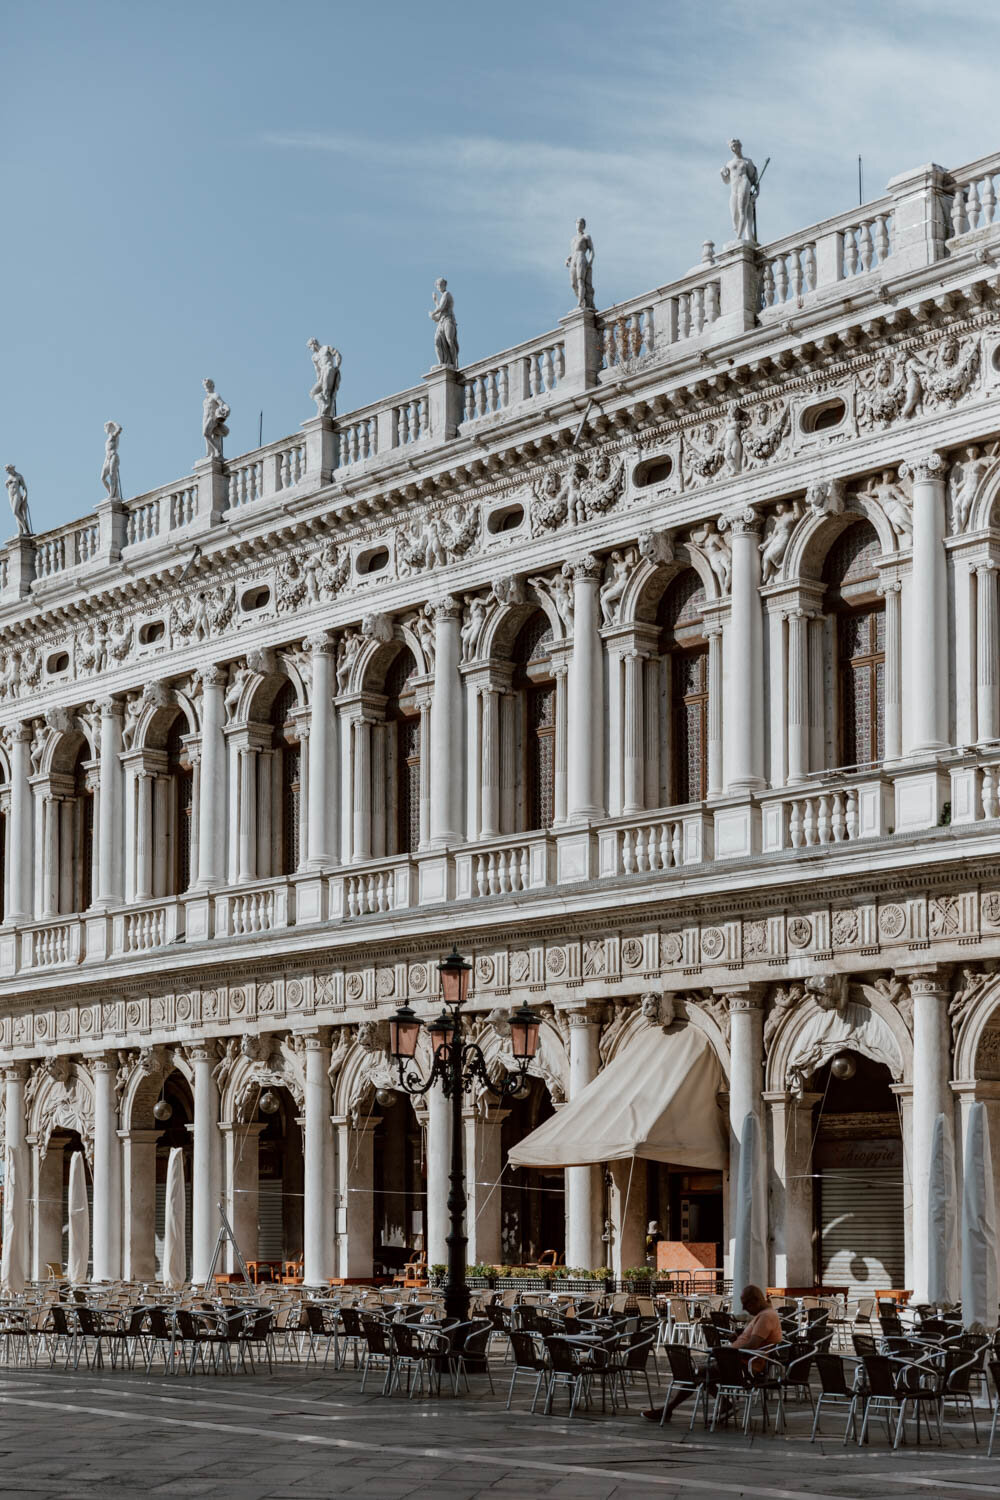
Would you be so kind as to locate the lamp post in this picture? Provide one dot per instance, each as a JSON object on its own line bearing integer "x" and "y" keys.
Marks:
{"x": 457, "y": 1065}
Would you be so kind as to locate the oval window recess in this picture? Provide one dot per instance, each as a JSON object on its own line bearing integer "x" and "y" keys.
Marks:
{"x": 258, "y": 598}
{"x": 153, "y": 630}
{"x": 824, "y": 416}
{"x": 373, "y": 562}
{"x": 654, "y": 472}
{"x": 507, "y": 519}
{"x": 57, "y": 662}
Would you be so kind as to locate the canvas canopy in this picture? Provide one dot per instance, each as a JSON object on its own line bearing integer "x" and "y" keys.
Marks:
{"x": 656, "y": 1100}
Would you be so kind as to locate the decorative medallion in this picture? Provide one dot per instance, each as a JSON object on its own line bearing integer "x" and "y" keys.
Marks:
{"x": 63, "y": 1023}
{"x": 991, "y": 908}
{"x": 672, "y": 947}
{"x": 944, "y": 916}
{"x": 385, "y": 983}
{"x": 631, "y": 953}
{"x": 133, "y": 1014}
{"x": 183, "y": 1007}
{"x": 520, "y": 966}
{"x": 891, "y": 921}
{"x": 294, "y": 993}
{"x": 798, "y": 930}
{"x": 844, "y": 927}
{"x": 754, "y": 939}
{"x": 86, "y": 1021}
{"x": 593, "y": 957}
{"x": 354, "y": 986}
{"x": 237, "y": 1002}
{"x": 418, "y": 975}
{"x": 41, "y": 1027}
{"x": 265, "y": 997}
{"x": 712, "y": 942}
{"x": 157, "y": 1010}
{"x": 555, "y": 962}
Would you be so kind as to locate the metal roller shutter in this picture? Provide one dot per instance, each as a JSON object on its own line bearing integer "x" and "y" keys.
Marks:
{"x": 863, "y": 1244}
{"x": 270, "y": 1220}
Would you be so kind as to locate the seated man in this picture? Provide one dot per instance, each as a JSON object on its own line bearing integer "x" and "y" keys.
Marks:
{"x": 763, "y": 1331}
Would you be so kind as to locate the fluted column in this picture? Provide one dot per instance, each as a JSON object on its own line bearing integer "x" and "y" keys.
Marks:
{"x": 744, "y": 727}
{"x": 50, "y": 855}
{"x": 247, "y": 842}
{"x": 107, "y": 1184}
{"x": 424, "y": 705}
{"x": 17, "y": 1189}
{"x": 317, "y": 1233}
{"x": 212, "y": 781}
{"x": 143, "y": 835}
{"x": 927, "y": 634}
{"x": 322, "y": 756}
{"x": 362, "y": 790}
{"x": 791, "y": 1186}
{"x": 109, "y": 833}
{"x": 583, "y": 1184}
{"x": 746, "y": 1081}
{"x": 21, "y": 842}
{"x": 586, "y": 696}
{"x": 931, "y": 1097}
{"x": 716, "y": 779}
{"x": 634, "y": 734}
{"x": 891, "y": 591}
{"x": 205, "y": 1167}
{"x": 447, "y": 760}
{"x": 987, "y": 677}
{"x": 561, "y": 672}
{"x": 798, "y": 695}
{"x": 490, "y": 752}
{"x": 651, "y": 731}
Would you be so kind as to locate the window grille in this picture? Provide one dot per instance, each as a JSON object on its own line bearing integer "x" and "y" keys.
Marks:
{"x": 408, "y": 784}
{"x": 690, "y": 725}
{"x": 541, "y": 706}
{"x": 291, "y": 765}
{"x": 861, "y": 654}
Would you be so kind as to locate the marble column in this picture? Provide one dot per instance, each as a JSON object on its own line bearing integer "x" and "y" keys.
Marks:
{"x": 21, "y": 823}
{"x": 746, "y": 1081}
{"x": 107, "y": 1180}
{"x": 438, "y": 1169}
{"x": 50, "y": 855}
{"x": 247, "y": 843}
{"x": 585, "y": 789}
{"x": 490, "y": 828}
{"x": 798, "y": 695}
{"x": 109, "y": 834}
{"x": 206, "y": 1175}
{"x": 362, "y": 790}
{"x": 616, "y": 732}
{"x": 322, "y": 756}
{"x": 716, "y": 777}
{"x": 892, "y": 592}
{"x": 447, "y": 760}
{"x": 987, "y": 676}
{"x": 635, "y": 747}
{"x": 584, "y": 1195}
{"x": 17, "y": 1169}
{"x": 927, "y": 634}
{"x": 346, "y": 734}
{"x": 355, "y": 1179}
{"x": 931, "y": 1097}
{"x": 318, "y": 1236}
{"x": 138, "y": 1159}
{"x": 425, "y": 773}
{"x": 143, "y": 835}
{"x": 561, "y": 788}
{"x": 483, "y": 1166}
{"x": 651, "y": 731}
{"x": 46, "y": 1195}
{"x": 744, "y": 726}
{"x": 790, "y": 1198}
{"x": 242, "y": 1176}
{"x": 627, "y": 1209}
{"x": 212, "y": 781}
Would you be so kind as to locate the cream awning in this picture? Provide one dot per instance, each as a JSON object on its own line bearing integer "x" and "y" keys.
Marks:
{"x": 657, "y": 1099}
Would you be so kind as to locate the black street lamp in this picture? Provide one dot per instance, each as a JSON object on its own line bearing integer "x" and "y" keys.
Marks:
{"x": 457, "y": 1066}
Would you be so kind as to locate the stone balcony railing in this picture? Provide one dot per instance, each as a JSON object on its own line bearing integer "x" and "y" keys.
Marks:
{"x": 925, "y": 216}
{"x": 827, "y": 816}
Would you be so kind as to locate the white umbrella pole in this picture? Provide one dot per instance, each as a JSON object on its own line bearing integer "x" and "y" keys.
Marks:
{"x": 79, "y": 1221}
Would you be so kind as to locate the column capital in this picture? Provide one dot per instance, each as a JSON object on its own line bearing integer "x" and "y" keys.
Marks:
{"x": 749, "y": 997}
{"x": 320, "y": 644}
{"x": 104, "y": 1062}
{"x": 742, "y": 521}
{"x": 985, "y": 568}
{"x": 211, "y": 676}
{"x": 110, "y": 708}
{"x": 448, "y": 608}
{"x": 588, "y": 1014}
{"x": 584, "y": 569}
{"x": 206, "y": 1051}
{"x": 922, "y": 467}
{"x": 933, "y": 982}
{"x": 889, "y": 586}
{"x": 17, "y": 734}
{"x": 15, "y": 1072}
{"x": 315, "y": 1041}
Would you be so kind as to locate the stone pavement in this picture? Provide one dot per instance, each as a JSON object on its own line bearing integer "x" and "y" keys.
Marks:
{"x": 299, "y": 1434}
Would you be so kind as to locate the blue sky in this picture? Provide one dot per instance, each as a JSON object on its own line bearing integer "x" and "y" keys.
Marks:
{"x": 194, "y": 189}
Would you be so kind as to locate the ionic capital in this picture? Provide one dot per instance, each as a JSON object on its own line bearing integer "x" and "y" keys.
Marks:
{"x": 923, "y": 467}
{"x": 448, "y": 608}
{"x": 743, "y": 521}
{"x": 320, "y": 644}
{"x": 584, "y": 569}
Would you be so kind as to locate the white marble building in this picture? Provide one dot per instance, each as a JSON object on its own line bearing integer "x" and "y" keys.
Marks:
{"x": 657, "y": 655}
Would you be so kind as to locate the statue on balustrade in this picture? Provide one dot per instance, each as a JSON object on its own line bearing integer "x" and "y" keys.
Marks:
{"x": 110, "y": 475}
{"x": 744, "y": 185}
{"x": 18, "y": 492}
{"x": 580, "y": 261}
{"x": 446, "y": 333}
{"x": 213, "y": 420}
{"x": 326, "y": 362}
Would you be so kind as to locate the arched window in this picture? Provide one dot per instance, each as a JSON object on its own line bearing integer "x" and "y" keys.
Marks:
{"x": 685, "y": 652}
{"x": 83, "y": 837}
{"x": 535, "y": 688}
{"x": 402, "y": 761}
{"x": 181, "y": 794}
{"x": 858, "y": 645}
{"x": 287, "y": 781}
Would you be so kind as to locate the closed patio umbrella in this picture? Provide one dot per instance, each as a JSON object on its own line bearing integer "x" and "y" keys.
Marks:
{"x": 79, "y": 1221}
{"x": 14, "y": 1272}
{"x": 942, "y": 1247}
{"x": 979, "y": 1225}
{"x": 750, "y": 1247}
{"x": 174, "y": 1271}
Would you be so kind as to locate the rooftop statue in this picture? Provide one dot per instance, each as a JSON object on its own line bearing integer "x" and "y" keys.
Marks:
{"x": 744, "y": 185}
{"x": 110, "y": 477}
{"x": 580, "y": 261}
{"x": 213, "y": 420}
{"x": 446, "y": 334}
{"x": 18, "y": 492}
{"x": 326, "y": 362}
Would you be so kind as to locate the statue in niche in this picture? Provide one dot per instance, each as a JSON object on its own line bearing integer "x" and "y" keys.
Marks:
{"x": 110, "y": 476}
{"x": 580, "y": 261}
{"x": 744, "y": 185}
{"x": 620, "y": 565}
{"x": 326, "y": 362}
{"x": 17, "y": 490}
{"x": 446, "y": 333}
{"x": 774, "y": 546}
{"x": 472, "y": 626}
{"x": 213, "y": 420}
